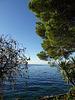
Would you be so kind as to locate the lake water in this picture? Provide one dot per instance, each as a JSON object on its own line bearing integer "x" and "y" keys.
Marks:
{"x": 43, "y": 81}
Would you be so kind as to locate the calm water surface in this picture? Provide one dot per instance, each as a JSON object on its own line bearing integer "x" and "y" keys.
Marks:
{"x": 43, "y": 80}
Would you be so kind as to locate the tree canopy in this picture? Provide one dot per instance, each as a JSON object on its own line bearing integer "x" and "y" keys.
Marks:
{"x": 57, "y": 29}
{"x": 56, "y": 26}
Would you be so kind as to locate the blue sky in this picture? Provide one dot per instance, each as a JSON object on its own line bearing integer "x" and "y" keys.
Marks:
{"x": 18, "y": 21}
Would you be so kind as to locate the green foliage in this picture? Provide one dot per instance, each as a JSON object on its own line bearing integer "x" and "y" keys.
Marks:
{"x": 71, "y": 94}
{"x": 68, "y": 71}
{"x": 56, "y": 25}
{"x": 42, "y": 55}
{"x": 40, "y": 30}
{"x": 72, "y": 90}
{"x": 67, "y": 96}
{"x": 57, "y": 29}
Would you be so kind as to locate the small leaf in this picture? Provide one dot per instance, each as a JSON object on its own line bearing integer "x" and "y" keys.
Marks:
{"x": 23, "y": 86}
